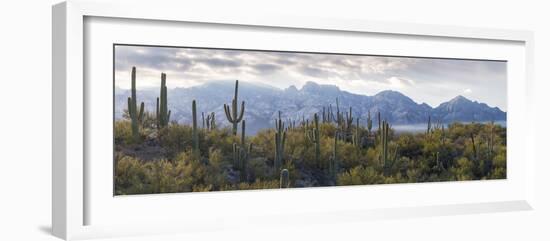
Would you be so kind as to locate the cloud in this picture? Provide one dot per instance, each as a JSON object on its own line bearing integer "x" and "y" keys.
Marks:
{"x": 266, "y": 68}
{"x": 400, "y": 82}
{"x": 423, "y": 79}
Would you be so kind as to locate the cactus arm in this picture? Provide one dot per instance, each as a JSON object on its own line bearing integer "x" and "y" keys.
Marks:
{"x": 141, "y": 111}
{"x": 242, "y": 112}
{"x": 162, "y": 112}
{"x": 227, "y": 114}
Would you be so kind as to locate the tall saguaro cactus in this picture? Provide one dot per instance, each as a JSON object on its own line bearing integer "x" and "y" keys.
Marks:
{"x": 339, "y": 116}
{"x": 232, "y": 114}
{"x": 379, "y": 125}
{"x": 472, "y": 138}
{"x": 163, "y": 114}
{"x": 387, "y": 161}
{"x": 491, "y": 141}
{"x": 314, "y": 136}
{"x": 241, "y": 154}
{"x": 334, "y": 162}
{"x": 240, "y": 159}
{"x": 384, "y": 138}
{"x": 135, "y": 116}
{"x": 195, "y": 132}
{"x": 356, "y": 137}
{"x": 369, "y": 123}
{"x": 349, "y": 119}
{"x": 280, "y": 137}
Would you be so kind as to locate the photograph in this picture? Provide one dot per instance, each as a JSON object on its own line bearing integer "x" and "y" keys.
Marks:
{"x": 195, "y": 119}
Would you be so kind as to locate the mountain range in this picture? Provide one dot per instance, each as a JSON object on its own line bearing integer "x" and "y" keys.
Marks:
{"x": 263, "y": 103}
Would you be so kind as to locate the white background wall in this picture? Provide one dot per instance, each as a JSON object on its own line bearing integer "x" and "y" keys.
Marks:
{"x": 25, "y": 119}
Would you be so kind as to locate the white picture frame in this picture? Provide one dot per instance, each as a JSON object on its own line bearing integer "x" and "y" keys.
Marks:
{"x": 74, "y": 199}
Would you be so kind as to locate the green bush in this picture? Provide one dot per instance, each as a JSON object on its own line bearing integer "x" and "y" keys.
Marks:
{"x": 441, "y": 155}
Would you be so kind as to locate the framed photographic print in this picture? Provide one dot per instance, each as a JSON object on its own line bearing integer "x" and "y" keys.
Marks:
{"x": 280, "y": 119}
{"x": 302, "y": 119}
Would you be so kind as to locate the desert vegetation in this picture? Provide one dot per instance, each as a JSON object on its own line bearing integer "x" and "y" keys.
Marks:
{"x": 329, "y": 148}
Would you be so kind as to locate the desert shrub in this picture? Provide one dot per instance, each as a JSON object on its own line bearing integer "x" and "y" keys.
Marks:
{"x": 175, "y": 139}
{"x": 440, "y": 156}
{"x": 258, "y": 168}
{"x": 259, "y": 184}
{"x": 349, "y": 155}
{"x": 123, "y": 133}
{"x": 131, "y": 177}
{"x": 220, "y": 138}
{"x": 464, "y": 170}
{"x": 360, "y": 176}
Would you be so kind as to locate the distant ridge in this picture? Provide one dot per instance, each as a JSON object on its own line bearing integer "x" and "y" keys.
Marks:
{"x": 263, "y": 102}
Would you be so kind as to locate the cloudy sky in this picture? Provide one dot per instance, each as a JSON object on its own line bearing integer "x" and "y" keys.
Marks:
{"x": 428, "y": 80}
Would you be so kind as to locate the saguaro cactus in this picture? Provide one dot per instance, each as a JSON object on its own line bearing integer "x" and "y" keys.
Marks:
{"x": 241, "y": 154}
{"x": 135, "y": 116}
{"x": 284, "y": 179}
{"x": 195, "y": 132}
{"x": 243, "y": 132}
{"x": 234, "y": 116}
{"x": 314, "y": 136}
{"x": 330, "y": 114}
{"x": 369, "y": 123}
{"x": 203, "y": 121}
{"x": 163, "y": 114}
{"x": 356, "y": 137}
{"x": 474, "y": 150}
{"x": 211, "y": 121}
{"x": 240, "y": 159}
{"x": 429, "y": 125}
{"x": 384, "y": 141}
{"x": 438, "y": 164}
{"x": 349, "y": 119}
{"x": 387, "y": 161}
{"x": 491, "y": 141}
{"x": 280, "y": 137}
{"x": 379, "y": 125}
{"x": 334, "y": 162}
